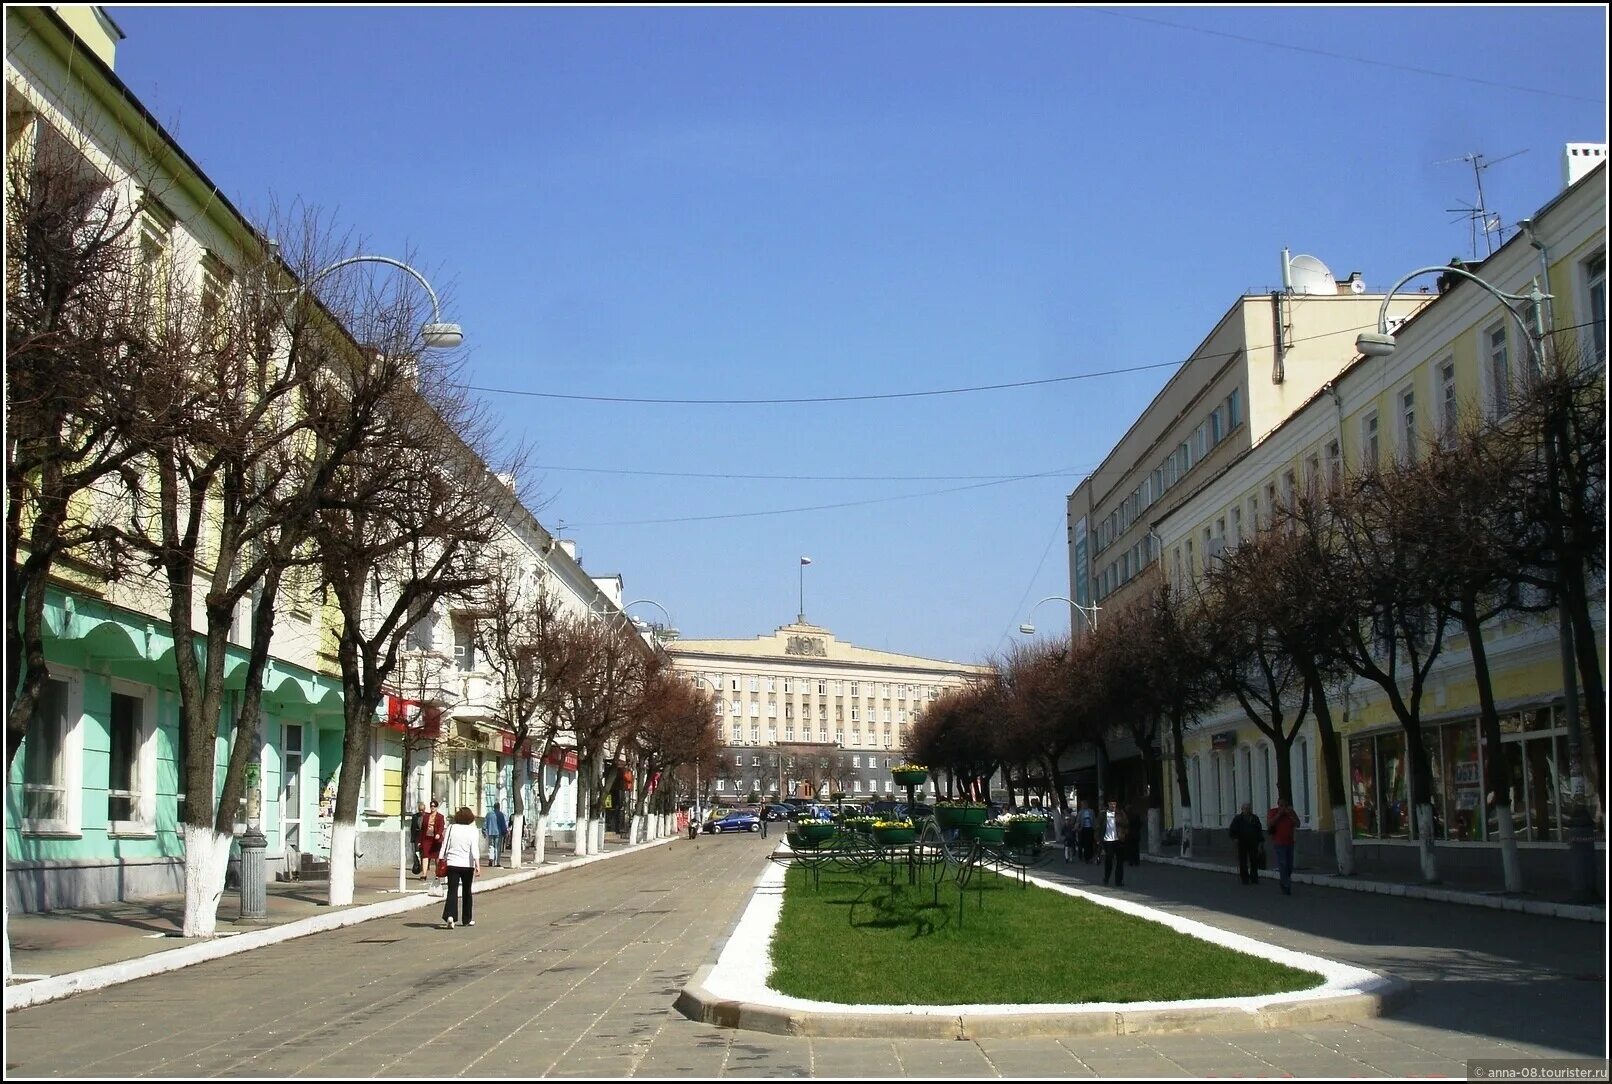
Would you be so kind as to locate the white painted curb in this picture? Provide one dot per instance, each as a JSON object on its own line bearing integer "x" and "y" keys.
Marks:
{"x": 57, "y": 987}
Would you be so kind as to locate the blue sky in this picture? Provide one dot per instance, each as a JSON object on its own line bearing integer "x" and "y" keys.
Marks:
{"x": 804, "y": 202}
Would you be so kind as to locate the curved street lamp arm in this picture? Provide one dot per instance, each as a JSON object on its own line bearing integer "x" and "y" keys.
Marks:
{"x": 650, "y": 602}
{"x": 436, "y": 307}
{"x": 1530, "y": 335}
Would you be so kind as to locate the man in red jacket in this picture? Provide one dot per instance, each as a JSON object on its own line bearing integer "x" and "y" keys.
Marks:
{"x": 1282, "y": 823}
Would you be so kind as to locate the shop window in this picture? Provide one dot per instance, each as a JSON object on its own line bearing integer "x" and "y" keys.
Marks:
{"x": 1363, "y": 787}
{"x": 131, "y": 761}
{"x": 1463, "y": 795}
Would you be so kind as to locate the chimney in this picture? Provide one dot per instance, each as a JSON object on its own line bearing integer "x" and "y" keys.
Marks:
{"x": 1578, "y": 159}
{"x": 569, "y": 546}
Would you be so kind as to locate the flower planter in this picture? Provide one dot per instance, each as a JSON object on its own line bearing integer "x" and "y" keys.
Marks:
{"x": 815, "y": 831}
{"x": 910, "y": 778}
{"x": 890, "y": 837}
{"x": 985, "y": 834}
{"x": 1026, "y": 832}
{"x": 960, "y": 816}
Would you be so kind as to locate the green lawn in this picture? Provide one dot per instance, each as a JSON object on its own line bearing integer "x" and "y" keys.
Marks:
{"x": 858, "y": 941}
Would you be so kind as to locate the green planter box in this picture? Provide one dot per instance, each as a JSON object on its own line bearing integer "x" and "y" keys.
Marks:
{"x": 815, "y": 831}
{"x": 1026, "y": 831}
{"x": 910, "y": 778}
{"x": 992, "y": 834}
{"x": 953, "y": 816}
{"x": 890, "y": 837}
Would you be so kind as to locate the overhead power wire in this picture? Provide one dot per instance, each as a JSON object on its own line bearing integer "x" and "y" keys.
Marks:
{"x": 894, "y": 394}
{"x": 1352, "y": 59}
{"x": 792, "y": 477}
{"x": 1007, "y": 633}
{"x": 820, "y": 507}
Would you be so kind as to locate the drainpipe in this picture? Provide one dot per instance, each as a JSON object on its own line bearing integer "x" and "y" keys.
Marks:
{"x": 1330, "y": 387}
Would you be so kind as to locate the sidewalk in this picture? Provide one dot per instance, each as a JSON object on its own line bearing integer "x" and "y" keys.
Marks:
{"x": 1450, "y": 891}
{"x": 52, "y": 951}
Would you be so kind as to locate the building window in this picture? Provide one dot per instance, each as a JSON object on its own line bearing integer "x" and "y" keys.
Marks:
{"x": 1595, "y": 296}
{"x": 1407, "y": 424}
{"x": 464, "y": 644}
{"x": 822, "y": 734}
{"x": 1369, "y": 441}
{"x": 755, "y": 684}
{"x": 1499, "y": 368}
{"x": 772, "y": 684}
{"x": 47, "y": 790}
{"x": 738, "y": 731}
{"x": 1334, "y": 465}
{"x": 131, "y": 763}
{"x": 1449, "y": 405}
{"x": 1234, "y": 409}
{"x": 755, "y": 734}
{"x": 789, "y": 732}
{"x": 755, "y": 709}
{"x": 1237, "y": 526}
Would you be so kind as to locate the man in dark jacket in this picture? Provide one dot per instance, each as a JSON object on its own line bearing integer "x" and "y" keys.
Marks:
{"x": 1116, "y": 830}
{"x": 1246, "y": 830}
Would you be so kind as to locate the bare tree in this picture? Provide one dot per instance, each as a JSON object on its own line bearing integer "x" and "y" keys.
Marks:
{"x": 75, "y": 365}
{"x": 1393, "y": 634}
{"x": 404, "y": 516}
{"x": 521, "y": 638}
{"x": 598, "y": 706}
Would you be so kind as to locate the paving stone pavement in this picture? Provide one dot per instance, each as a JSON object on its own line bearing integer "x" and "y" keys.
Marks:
{"x": 575, "y": 974}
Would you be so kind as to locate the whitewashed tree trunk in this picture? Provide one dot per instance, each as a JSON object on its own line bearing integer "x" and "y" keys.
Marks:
{"x": 206, "y": 859}
{"x": 596, "y": 837}
{"x": 583, "y": 833}
{"x": 1343, "y": 842}
{"x": 517, "y": 841}
{"x": 540, "y": 839}
{"x": 1155, "y": 831}
{"x": 1510, "y": 859}
{"x": 1424, "y": 822}
{"x": 343, "y": 836}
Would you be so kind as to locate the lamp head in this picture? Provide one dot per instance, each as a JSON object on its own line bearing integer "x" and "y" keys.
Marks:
{"x": 1373, "y": 345}
{"x": 1028, "y": 630}
{"x": 442, "y": 336}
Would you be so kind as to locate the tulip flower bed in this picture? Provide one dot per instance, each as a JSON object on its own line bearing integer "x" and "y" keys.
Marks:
{"x": 856, "y": 940}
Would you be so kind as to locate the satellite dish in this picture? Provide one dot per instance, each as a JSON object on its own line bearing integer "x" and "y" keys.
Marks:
{"x": 1311, "y": 276}
{"x": 1357, "y": 287}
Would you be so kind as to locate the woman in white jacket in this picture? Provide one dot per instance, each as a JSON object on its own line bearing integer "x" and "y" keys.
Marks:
{"x": 461, "y": 851}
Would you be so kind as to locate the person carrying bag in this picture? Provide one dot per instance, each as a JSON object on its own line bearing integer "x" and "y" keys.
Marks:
{"x": 460, "y": 864}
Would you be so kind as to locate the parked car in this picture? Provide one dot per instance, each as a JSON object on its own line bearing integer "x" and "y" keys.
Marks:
{"x": 735, "y": 822}
{"x": 774, "y": 812}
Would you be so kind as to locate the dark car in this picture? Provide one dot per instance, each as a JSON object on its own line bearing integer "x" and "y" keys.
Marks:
{"x": 735, "y": 822}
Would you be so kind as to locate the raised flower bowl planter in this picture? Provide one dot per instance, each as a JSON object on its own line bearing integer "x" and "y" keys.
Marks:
{"x": 985, "y": 833}
{"x": 1028, "y": 831}
{"x": 910, "y": 776}
{"x": 815, "y": 831}
{"x": 960, "y": 816}
{"x": 894, "y": 837}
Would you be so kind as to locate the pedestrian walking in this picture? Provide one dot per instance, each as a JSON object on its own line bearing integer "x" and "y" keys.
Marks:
{"x": 432, "y": 830}
{"x": 1071, "y": 833}
{"x": 1088, "y": 834}
{"x": 1283, "y": 823}
{"x": 762, "y": 816}
{"x": 416, "y": 824}
{"x": 461, "y": 850}
{"x": 1116, "y": 833}
{"x": 497, "y": 825}
{"x": 1249, "y": 836}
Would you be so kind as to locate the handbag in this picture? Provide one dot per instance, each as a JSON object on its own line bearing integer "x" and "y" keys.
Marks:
{"x": 442, "y": 868}
{"x": 419, "y": 863}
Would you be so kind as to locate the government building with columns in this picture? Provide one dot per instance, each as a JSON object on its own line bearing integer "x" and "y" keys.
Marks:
{"x": 803, "y": 714}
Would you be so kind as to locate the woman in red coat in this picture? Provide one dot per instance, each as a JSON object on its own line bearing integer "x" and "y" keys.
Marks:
{"x": 431, "y": 833}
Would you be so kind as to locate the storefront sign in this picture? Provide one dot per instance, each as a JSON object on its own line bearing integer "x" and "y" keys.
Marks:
{"x": 1226, "y": 739}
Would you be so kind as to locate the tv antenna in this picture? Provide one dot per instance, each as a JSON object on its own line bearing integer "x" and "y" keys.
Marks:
{"x": 1476, "y": 213}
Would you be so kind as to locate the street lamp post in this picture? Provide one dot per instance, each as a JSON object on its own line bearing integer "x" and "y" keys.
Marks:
{"x": 1089, "y": 612}
{"x": 1580, "y": 834}
{"x": 434, "y": 335}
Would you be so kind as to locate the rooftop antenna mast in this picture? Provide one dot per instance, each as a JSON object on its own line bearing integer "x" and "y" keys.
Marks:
{"x": 1477, "y": 213}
